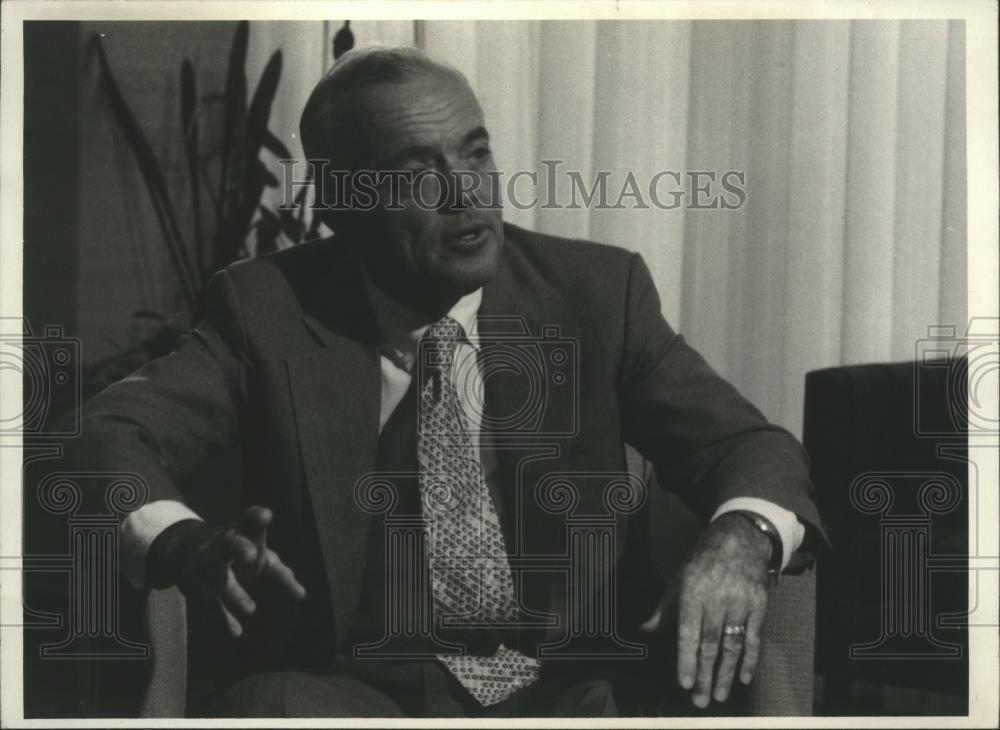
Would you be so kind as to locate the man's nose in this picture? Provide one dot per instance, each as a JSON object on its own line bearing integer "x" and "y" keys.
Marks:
{"x": 466, "y": 189}
{"x": 461, "y": 192}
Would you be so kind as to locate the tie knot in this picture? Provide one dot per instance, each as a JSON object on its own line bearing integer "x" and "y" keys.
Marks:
{"x": 440, "y": 341}
{"x": 445, "y": 332}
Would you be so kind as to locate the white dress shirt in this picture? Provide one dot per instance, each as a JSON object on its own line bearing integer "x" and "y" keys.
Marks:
{"x": 401, "y": 330}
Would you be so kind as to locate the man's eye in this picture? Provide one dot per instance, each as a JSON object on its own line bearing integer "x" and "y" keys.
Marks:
{"x": 482, "y": 153}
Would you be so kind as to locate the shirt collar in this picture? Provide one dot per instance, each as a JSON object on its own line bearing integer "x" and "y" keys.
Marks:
{"x": 403, "y": 327}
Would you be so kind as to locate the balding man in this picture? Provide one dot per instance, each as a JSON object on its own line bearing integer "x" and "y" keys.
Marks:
{"x": 400, "y": 549}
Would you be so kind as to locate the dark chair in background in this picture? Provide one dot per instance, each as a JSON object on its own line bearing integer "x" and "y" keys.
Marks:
{"x": 889, "y": 451}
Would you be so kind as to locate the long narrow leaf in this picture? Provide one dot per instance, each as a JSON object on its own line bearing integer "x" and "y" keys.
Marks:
{"x": 343, "y": 41}
{"x": 189, "y": 130}
{"x": 152, "y": 175}
{"x": 314, "y": 226}
{"x": 233, "y": 109}
{"x": 300, "y": 208}
{"x": 259, "y": 113}
{"x": 270, "y": 180}
{"x": 268, "y": 230}
{"x": 239, "y": 216}
{"x": 275, "y": 146}
{"x": 291, "y": 226}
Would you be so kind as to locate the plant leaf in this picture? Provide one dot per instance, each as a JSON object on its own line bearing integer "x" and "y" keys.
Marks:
{"x": 269, "y": 179}
{"x": 236, "y": 225}
{"x": 152, "y": 175}
{"x": 233, "y": 107}
{"x": 275, "y": 146}
{"x": 313, "y": 231}
{"x": 259, "y": 112}
{"x": 242, "y": 199}
{"x": 268, "y": 230}
{"x": 291, "y": 226}
{"x": 189, "y": 130}
{"x": 343, "y": 40}
{"x": 300, "y": 205}
{"x": 239, "y": 216}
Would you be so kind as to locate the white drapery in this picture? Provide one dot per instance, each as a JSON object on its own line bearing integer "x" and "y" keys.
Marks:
{"x": 851, "y": 136}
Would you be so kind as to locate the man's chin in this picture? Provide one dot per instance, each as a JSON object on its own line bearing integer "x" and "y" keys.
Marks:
{"x": 458, "y": 284}
{"x": 468, "y": 270}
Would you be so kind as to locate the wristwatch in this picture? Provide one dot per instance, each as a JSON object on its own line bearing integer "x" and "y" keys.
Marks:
{"x": 777, "y": 548}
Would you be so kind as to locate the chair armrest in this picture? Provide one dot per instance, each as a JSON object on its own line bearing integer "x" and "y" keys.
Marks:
{"x": 166, "y": 619}
{"x": 785, "y": 682}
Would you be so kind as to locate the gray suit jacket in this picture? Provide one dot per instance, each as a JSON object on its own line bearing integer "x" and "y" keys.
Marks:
{"x": 285, "y": 363}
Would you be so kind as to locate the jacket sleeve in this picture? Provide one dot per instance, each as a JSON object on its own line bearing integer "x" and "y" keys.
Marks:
{"x": 169, "y": 416}
{"x": 708, "y": 443}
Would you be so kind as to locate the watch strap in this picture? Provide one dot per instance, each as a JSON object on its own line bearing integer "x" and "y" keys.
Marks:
{"x": 771, "y": 532}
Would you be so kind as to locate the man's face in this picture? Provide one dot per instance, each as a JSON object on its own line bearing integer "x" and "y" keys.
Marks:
{"x": 423, "y": 255}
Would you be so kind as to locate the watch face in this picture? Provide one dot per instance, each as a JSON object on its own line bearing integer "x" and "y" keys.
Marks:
{"x": 777, "y": 547}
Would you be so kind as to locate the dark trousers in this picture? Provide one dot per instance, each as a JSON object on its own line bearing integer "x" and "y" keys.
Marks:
{"x": 404, "y": 689}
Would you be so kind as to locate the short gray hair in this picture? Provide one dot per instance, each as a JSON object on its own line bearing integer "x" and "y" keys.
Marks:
{"x": 321, "y": 121}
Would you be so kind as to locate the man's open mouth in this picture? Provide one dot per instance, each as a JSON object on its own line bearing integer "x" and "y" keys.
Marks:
{"x": 466, "y": 235}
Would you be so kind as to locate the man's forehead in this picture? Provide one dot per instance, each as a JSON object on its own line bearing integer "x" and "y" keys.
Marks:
{"x": 425, "y": 108}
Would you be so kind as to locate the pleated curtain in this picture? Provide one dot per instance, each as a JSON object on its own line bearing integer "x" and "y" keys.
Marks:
{"x": 850, "y": 135}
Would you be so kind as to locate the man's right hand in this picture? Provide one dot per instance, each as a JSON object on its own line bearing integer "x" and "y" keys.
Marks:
{"x": 226, "y": 564}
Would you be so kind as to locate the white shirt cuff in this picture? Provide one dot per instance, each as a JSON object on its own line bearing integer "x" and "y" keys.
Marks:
{"x": 786, "y": 523}
{"x": 137, "y": 532}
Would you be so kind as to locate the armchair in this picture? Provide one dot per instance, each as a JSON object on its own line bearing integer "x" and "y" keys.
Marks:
{"x": 888, "y": 445}
{"x": 784, "y": 684}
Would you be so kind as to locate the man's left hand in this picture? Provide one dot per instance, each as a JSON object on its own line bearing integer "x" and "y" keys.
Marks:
{"x": 721, "y": 603}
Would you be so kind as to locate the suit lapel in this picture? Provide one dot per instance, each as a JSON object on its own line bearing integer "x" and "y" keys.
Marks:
{"x": 529, "y": 358}
{"x": 531, "y": 416}
{"x": 336, "y": 392}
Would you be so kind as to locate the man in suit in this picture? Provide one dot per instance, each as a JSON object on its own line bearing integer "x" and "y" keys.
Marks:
{"x": 387, "y": 350}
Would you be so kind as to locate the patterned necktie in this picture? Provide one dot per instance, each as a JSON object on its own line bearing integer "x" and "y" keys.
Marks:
{"x": 470, "y": 577}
